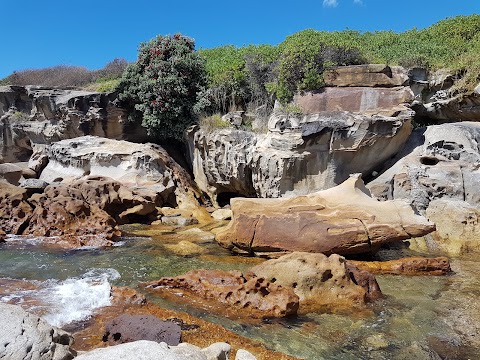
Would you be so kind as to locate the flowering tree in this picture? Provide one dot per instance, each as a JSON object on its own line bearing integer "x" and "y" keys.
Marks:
{"x": 161, "y": 87}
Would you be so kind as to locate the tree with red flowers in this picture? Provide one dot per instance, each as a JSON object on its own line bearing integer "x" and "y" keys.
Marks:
{"x": 161, "y": 87}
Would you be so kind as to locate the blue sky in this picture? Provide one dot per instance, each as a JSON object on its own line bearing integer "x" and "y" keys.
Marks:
{"x": 90, "y": 33}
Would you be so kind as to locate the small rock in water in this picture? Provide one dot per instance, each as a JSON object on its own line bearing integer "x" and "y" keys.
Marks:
{"x": 376, "y": 342}
{"x": 128, "y": 328}
{"x": 186, "y": 248}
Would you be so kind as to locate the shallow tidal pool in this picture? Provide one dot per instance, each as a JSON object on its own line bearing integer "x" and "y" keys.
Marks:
{"x": 420, "y": 317}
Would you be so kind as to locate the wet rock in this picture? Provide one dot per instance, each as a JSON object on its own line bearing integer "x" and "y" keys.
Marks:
{"x": 39, "y": 159}
{"x": 253, "y": 295}
{"x": 244, "y": 355}
{"x": 139, "y": 350}
{"x": 128, "y": 328}
{"x": 29, "y": 173}
{"x": 26, "y": 336}
{"x": 197, "y": 235}
{"x": 322, "y": 283}
{"x": 185, "y": 248}
{"x": 369, "y": 75}
{"x": 342, "y": 220}
{"x": 366, "y": 280}
{"x": 406, "y": 266}
{"x": 10, "y": 173}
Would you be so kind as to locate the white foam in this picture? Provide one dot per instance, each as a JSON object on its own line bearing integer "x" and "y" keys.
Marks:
{"x": 76, "y": 299}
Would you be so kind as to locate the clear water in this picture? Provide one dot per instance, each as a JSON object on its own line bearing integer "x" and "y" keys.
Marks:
{"x": 420, "y": 318}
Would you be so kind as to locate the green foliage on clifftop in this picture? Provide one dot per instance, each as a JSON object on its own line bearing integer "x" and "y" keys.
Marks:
{"x": 298, "y": 62}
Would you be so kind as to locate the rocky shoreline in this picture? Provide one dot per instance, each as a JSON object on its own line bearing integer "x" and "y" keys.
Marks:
{"x": 74, "y": 171}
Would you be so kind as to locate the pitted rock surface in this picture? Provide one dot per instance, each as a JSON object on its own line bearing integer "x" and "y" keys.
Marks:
{"x": 253, "y": 296}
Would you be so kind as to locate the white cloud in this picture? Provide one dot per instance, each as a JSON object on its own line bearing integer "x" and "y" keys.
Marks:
{"x": 358, "y": 2}
{"x": 330, "y": 3}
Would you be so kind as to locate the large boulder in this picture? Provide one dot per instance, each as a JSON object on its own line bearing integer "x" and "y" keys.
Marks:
{"x": 366, "y": 100}
{"x": 369, "y": 75}
{"x": 35, "y": 116}
{"x": 26, "y": 336}
{"x": 322, "y": 283}
{"x": 134, "y": 165}
{"x": 299, "y": 155}
{"x": 342, "y": 220}
{"x": 243, "y": 292}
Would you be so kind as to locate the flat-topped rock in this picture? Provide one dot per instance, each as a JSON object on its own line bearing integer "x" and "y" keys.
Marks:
{"x": 371, "y": 75}
{"x": 342, "y": 220}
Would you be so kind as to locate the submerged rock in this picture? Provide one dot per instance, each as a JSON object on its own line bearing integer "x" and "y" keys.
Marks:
{"x": 406, "y": 266}
{"x": 254, "y": 295}
{"x": 128, "y": 328}
{"x": 322, "y": 283}
{"x": 26, "y": 336}
{"x": 341, "y": 220}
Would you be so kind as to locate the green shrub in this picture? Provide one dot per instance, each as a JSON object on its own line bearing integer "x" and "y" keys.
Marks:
{"x": 161, "y": 87}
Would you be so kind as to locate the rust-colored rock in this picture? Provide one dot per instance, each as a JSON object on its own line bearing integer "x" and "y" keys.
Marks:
{"x": 15, "y": 211}
{"x": 341, "y": 220}
{"x": 406, "y": 266}
{"x": 371, "y": 75}
{"x": 81, "y": 213}
{"x": 322, "y": 283}
{"x": 355, "y": 99}
{"x": 253, "y": 295}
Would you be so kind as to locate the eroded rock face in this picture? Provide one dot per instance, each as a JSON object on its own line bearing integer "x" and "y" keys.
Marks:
{"x": 135, "y": 165}
{"x": 26, "y": 336}
{"x": 86, "y": 211}
{"x": 458, "y": 226}
{"x": 298, "y": 156}
{"x": 322, "y": 283}
{"x": 256, "y": 296}
{"x": 342, "y": 220}
{"x": 34, "y": 116}
{"x": 439, "y": 162}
